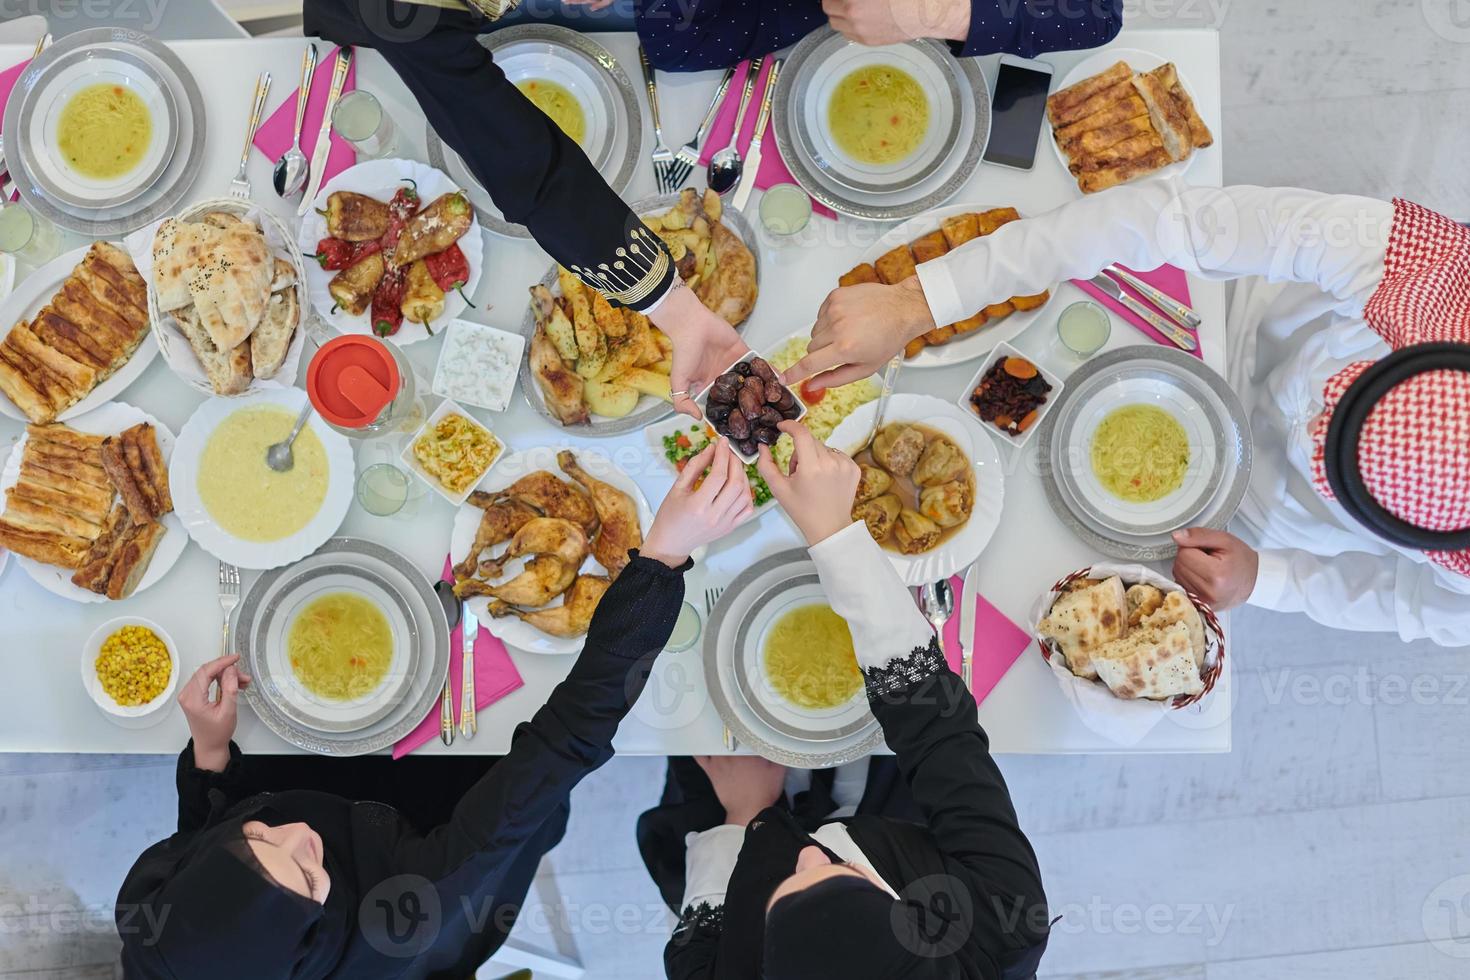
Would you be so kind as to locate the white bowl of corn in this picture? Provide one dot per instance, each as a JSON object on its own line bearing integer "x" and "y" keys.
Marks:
{"x": 130, "y": 668}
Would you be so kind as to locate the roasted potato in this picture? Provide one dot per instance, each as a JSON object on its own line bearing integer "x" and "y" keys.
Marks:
{"x": 435, "y": 228}
{"x": 647, "y": 382}
{"x": 560, "y": 330}
{"x": 352, "y": 288}
{"x": 356, "y": 217}
{"x": 609, "y": 398}
{"x": 609, "y": 320}
{"x": 423, "y": 300}
{"x": 622, "y": 354}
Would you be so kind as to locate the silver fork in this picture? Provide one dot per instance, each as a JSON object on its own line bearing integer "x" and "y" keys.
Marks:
{"x": 688, "y": 156}
{"x": 229, "y": 598}
{"x": 711, "y": 597}
{"x": 240, "y": 186}
{"x": 662, "y": 156}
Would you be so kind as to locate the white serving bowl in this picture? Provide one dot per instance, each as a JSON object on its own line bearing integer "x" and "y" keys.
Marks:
{"x": 140, "y": 715}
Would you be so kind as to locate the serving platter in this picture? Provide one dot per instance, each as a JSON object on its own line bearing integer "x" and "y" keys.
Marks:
{"x": 725, "y": 654}
{"x": 976, "y": 343}
{"x": 125, "y": 210}
{"x": 34, "y": 292}
{"x": 506, "y": 471}
{"x": 183, "y": 473}
{"x": 381, "y": 179}
{"x": 105, "y": 420}
{"x": 649, "y": 408}
{"x": 962, "y": 547}
{"x": 268, "y": 599}
{"x": 1195, "y": 396}
{"x": 589, "y": 71}
{"x": 796, "y": 93}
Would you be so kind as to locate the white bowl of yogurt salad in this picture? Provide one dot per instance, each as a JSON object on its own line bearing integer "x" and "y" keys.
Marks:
{"x": 478, "y": 365}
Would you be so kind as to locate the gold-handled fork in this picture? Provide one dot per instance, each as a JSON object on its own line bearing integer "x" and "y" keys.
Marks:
{"x": 229, "y": 598}
{"x": 240, "y": 186}
{"x": 688, "y": 156}
{"x": 662, "y": 157}
{"x": 711, "y": 597}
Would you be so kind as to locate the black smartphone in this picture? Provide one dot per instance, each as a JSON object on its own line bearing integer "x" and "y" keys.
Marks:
{"x": 1016, "y": 112}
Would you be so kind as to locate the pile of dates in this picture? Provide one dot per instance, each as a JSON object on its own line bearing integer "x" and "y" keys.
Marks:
{"x": 746, "y": 404}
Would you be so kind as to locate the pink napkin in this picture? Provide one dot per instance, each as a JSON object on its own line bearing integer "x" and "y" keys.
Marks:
{"x": 998, "y": 643}
{"x": 495, "y": 677}
{"x": 7, "y": 84}
{"x": 1168, "y": 279}
{"x": 277, "y": 133}
{"x": 773, "y": 169}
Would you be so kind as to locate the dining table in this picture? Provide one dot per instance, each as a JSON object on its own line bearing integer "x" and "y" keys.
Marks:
{"x": 44, "y": 706}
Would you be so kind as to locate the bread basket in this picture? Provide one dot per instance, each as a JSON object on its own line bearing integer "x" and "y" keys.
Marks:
{"x": 171, "y": 342}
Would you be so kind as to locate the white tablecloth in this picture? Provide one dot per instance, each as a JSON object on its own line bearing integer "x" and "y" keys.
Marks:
{"x": 43, "y": 707}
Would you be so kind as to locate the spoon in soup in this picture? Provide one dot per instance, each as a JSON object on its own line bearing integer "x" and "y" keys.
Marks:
{"x": 279, "y": 456}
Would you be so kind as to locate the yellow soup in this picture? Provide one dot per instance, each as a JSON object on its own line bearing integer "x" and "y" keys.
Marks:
{"x": 878, "y": 114}
{"x": 104, "y": 131}
{"x": 340, "y": 646}
{"x": 809, "y": 658}
{"x": 558, "y": 102}
{"x": 1140, "y": 453}
{"x": 247, "y": 498}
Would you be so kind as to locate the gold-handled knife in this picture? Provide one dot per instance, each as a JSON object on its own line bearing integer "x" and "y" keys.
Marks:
{"x": 1177, "y": 335}
{"x": 967, "y": 627}
{"x": 753, "y": 154}
{"x": 323, "y": 146}
{"x": 470, "y": 632}
{"x": 1171, "y": 306}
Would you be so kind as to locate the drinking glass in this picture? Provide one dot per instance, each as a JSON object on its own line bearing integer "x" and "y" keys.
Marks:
{"x": 382, "y": 489}
{"x": 785, "y": 209}
{"x": 360, "y": 119}
{"x": 28, "y": 237}
{"x": 686, "y": 630}
{"x": 1084, "y": 327}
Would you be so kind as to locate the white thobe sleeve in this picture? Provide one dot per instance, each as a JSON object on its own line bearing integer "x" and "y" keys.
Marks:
{"x": 863, "y": 588}
{"x": 1361, "y": 591}
{"x": 709, "y": 860}
{"x": 1280, "y": 233}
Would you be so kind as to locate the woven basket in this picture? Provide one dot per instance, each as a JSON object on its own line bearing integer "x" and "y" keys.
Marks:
{"x": 171, "y": 343}
{"x": 1214, "y": 639}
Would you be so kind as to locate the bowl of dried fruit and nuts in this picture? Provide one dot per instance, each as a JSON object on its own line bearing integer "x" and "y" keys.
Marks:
{"x": 1011, "y": 393}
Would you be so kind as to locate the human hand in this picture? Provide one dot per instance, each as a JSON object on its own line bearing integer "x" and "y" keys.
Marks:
{"x": 859, "y": 329}
{"x": 704, "y": 345}
{"x": 819, "y": 490}
{"x": 212, "y": 725}
{"x": 745, "y": 784}
{"x": 1216, "y": 566}
{"x": 875, "y": 22}
{"x": 691, "y": 516}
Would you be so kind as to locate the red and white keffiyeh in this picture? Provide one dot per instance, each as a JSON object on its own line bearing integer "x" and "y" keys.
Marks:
{"x": 1414, "y": 450}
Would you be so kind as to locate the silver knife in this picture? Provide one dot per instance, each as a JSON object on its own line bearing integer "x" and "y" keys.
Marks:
{"x": 1171, "y": 306}
{"x": 753, "y": 153}
{"x": 1176, "y": 334}
{"x": 323, "y": 145}
{"x": 471, "y": 632}
{"x": 967, "y": 628}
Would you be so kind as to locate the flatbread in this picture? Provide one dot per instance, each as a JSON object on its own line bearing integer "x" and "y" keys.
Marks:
{"x": 1142, "y": 600}
{"x": 233, "y": 286}
{"x": 1176, "y": 608}
{"x": 1154, "y": 663}
{"x": 1084, "y": 620}
{"x": 179, "y": 248}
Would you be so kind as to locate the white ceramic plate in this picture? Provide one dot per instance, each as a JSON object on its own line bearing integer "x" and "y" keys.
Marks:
{"x": 184, "y": 477}
{"x": 963, "y": 546}
{"x": 107, "y": 420}
{"x": 411, "y": 462}
{"x": 977, "y": 343}
{"x": 1139, "y": 61}
{"x": 34, "y": 292}
{"x": 654, "y": 436}
{"x": 507, "y": 471}
{"x": 527, "y": 61}
{"x": 381, "y": 179}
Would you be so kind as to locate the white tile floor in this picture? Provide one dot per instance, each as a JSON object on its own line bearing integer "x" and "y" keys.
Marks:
{"x": 1331, "y": 843}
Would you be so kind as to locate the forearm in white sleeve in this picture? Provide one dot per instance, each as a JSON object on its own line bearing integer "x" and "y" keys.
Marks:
{"x": 1361, "y": 591}
{"x": 864, "y": 589}
{"x": 709, "y": 860}
{"x": 1281, "y": 233}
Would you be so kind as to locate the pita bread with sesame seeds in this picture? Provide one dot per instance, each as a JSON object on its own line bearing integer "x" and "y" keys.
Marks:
{"x": 1082, "y": 621}
{"x": 1153, "y": 662}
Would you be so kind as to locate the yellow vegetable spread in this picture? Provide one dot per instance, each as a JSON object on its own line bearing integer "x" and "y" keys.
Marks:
{"x": 104, "y": 131}
{"x": 809, "y": 658}
{"x": 247, "y": 498}
{"x": 878, "y": 115}
{"x": 1140, "y": 453}
{"x": 456, "y": 452}
{"x": 133, "y": 666}
{"x": 558, "y": 102}
{"x": 340, "y": 646}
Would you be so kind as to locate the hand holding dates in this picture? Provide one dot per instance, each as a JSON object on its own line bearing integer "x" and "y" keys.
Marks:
{"x": 748, "y": 402}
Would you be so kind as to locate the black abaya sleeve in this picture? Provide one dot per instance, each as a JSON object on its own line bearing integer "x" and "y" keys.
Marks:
{"x": 194, "y": 786}
{"x": 536, "y": 174}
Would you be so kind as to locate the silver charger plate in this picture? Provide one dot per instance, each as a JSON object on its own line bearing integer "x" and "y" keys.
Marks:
{"x": 178, "y": 176}
{"x": 1228, "y": 418}
{"x": 431, "y": 628}
{"x": 720, "y": 649}
{"x": 617, "y": 160}
{"x": 649, "y": 409}
{"x": 787, "y": 107}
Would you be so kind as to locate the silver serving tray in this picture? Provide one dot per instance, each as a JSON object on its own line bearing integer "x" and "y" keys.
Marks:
{"x": 1233, "y": 437}
{"x": 653, "y": 409}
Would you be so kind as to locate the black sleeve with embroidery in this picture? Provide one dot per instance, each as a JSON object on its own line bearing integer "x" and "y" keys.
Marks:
{"x": 690, "y": 952}
{"x": 535, "y": 173}
{"x": 929, "y": 721}
{"x": 195, "y": 784}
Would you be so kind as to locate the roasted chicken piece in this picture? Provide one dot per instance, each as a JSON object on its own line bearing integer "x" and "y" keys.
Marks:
{"x": 561, "y": 387}
{"x": 878, "y": 514}
{"x": 872, "y": 481}
{"x": 948, "y": 504}
{"x": 352, "y": 288}
{"x": 730, "y": 291}
{"x": 615, "y": 510}
{"x": 572, "y": 617}
{"x": 553, "y": 536}
{"x": 553, "y": 497}
{"x": 435, "y": 228}
{"x": 501, "y": 520}
{"x": 543, "y": 579}
{"x": 914, "y": 532}
{"x": 941, "y": 462}
{"x": 355, "y": 217}
{"x": 897, "y": 448}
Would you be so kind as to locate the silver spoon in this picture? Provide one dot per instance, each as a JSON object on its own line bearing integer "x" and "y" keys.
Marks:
{"x": 292, "y": 168}
{"x": 936, "y": 602}
{"x": 451, "y": 604}
{"x": 890, "y": 374}
{"x": 279, "y": 456}
{"x": 726, "y": 166}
